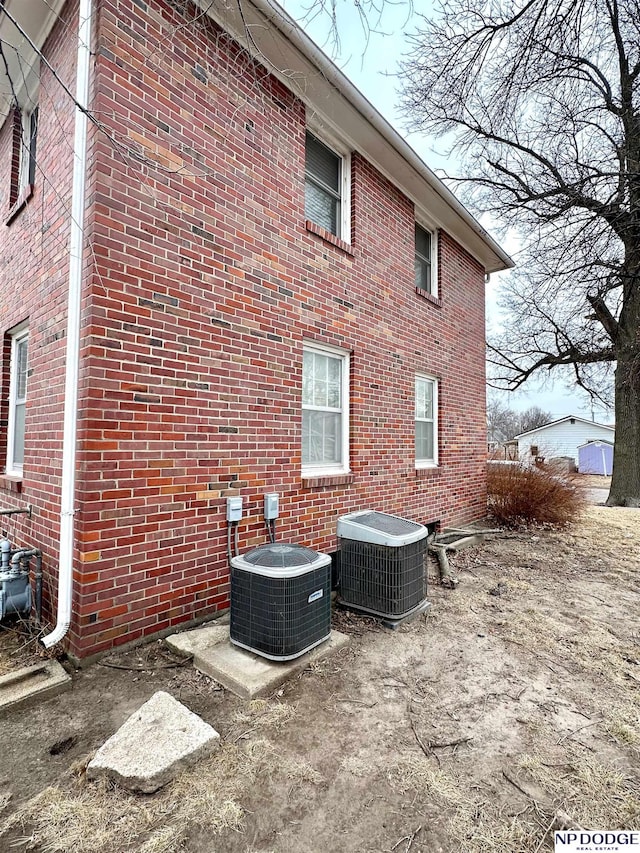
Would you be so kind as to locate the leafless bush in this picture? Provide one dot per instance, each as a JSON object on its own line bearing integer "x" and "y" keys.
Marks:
{"x": 519, "y": 494}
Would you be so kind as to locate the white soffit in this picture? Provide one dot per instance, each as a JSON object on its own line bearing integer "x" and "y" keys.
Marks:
{"x": 34, "y": 20}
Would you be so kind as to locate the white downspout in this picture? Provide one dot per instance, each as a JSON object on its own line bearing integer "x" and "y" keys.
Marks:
{"x": 68, "y": 488}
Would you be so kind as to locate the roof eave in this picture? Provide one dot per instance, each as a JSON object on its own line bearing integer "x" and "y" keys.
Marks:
{"x": 559, "y": 421}
{"x": 21, "y": 43}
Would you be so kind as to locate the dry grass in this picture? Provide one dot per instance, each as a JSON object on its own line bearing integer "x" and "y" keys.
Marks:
{"x": 97, "y": 818}
{"x": 357, "y": 766}
{"x": 571, "y": 780}
{"x": 623, "y": 724}
{"x": 272, "y": 714}
{"x": 593, "y": 481}
{"x": 595, "y": 559}
{"x": 5, "y": 799}
{"x": 19, "y": 646}
{"x": 473, "y": 822}
{"x": 594, "y": 795}
{"x": 519, "y": 495}
{"x": 90, "y": 817}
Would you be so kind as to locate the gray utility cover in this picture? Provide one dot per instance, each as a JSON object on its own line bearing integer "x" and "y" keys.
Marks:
{"x": 158, "y": 741}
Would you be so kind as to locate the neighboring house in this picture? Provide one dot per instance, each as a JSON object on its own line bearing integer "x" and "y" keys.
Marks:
{"x": 596, "y": 457}
{"x": 272, "y": 294}
{"x": 561, "y": 438}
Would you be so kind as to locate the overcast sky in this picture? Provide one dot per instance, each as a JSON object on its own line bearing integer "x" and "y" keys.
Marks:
{"x": 370, "y": 59}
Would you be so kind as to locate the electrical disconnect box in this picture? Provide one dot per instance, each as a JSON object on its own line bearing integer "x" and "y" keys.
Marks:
{"x": 271, "y": 506}
{"x": 234, "y": 509}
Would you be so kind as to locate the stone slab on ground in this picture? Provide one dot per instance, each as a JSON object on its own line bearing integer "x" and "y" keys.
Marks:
{"x": 159, "y": 740}
{"x": 32, "y": 683}
{"x": 250, "y": 676}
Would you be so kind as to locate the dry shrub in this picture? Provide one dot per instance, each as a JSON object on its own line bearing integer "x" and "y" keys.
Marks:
{"x": 520, "y": 495}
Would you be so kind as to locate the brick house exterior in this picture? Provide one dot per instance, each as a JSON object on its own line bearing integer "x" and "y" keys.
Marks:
{"x": 203, "y": 280}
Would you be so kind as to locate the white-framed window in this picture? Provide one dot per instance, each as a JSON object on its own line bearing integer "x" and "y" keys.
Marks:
{"x": 28, "y": 140}
{"x": 24, "y": 133}
{"x": 425, "y": 260}
{"x": 426, "y": 421}
{"x": 325, "y": 410}
{"x": 17, "y": 400}
{"x": 327, "y": 187}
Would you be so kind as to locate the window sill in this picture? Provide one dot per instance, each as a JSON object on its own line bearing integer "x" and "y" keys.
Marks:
{"x": 11, "y": 483}
{"x": 328, "y": 237}
{"x": 434, "y": 300}
{"x": 325, "y": 480}
{"x": 428, "y": 471}
{"x": 19, "y": 203}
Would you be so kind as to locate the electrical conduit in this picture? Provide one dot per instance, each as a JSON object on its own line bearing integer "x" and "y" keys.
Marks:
{"x": 67, "y": 498}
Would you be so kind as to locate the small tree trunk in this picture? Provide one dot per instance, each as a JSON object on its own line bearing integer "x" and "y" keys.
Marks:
{"x": 625, "y": 482}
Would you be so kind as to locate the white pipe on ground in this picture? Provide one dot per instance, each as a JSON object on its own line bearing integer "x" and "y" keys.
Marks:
{"x": 67, "y": 498}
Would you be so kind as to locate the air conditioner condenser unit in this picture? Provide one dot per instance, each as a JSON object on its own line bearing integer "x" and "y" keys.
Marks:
{"x": 280, "y": 600}
{"x": 382, "y": 565}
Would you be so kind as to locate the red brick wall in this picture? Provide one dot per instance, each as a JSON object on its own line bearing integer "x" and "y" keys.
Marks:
{"x": 33, "y": 287}
{"x": 206, "y": 282}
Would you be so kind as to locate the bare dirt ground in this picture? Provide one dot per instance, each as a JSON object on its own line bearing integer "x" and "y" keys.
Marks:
{"x": 466, "y": 731}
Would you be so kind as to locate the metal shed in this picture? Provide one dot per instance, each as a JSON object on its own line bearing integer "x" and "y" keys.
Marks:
{"x": 596, "y": 457}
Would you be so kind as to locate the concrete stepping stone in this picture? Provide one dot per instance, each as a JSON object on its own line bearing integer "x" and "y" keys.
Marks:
{"x": 31, "y": 684}
{"x": 157, "y": 742}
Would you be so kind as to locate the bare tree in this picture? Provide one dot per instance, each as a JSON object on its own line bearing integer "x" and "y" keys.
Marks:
{"x": 503, "y": 422}
{"x": 542, "y": 100}
{"x": 532, "y": 418}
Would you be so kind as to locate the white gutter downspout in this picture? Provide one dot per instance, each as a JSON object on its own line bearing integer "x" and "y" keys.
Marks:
{"x": 68, "y": 488}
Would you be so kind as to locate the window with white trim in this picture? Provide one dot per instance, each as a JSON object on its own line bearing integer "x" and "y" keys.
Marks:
{"x": 426, "y": 421}
{"x": 325, "y": 411}
{"x": 24, "y": 137}
{"x": 17, "y": 400}
{"x": 425, "y": 260}
{"x": 29, "y": 135}
{"x": 326, "y": 188}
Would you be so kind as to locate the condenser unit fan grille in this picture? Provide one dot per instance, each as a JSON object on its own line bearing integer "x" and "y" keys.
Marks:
{"x": 380, "y": 528}
{"x": 391, "y": 524}
{"x": 281, "y": 556}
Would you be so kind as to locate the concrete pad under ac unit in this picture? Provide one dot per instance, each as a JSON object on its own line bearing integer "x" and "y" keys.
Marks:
{"x": 244, "y": 673}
